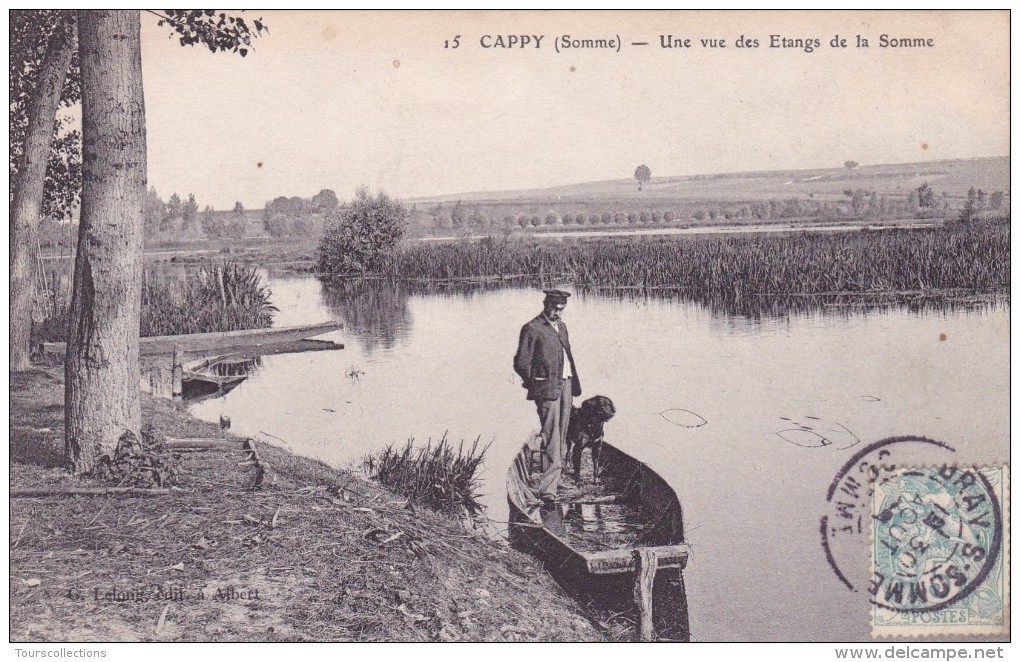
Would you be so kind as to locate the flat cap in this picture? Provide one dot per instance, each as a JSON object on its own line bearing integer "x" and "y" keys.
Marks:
{"x": 556, "y": 295}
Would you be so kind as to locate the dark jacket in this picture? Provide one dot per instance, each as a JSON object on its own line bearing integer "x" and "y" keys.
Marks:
{"x": 539, "y": 360}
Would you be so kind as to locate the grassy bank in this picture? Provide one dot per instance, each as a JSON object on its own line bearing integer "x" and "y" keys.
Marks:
{"x": 314, "y": 555}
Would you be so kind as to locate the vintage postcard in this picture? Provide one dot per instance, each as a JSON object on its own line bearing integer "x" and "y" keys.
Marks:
{"x": 510, "y": 326}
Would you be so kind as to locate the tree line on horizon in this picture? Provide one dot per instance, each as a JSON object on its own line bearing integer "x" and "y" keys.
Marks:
{"x": 856, "y": 204}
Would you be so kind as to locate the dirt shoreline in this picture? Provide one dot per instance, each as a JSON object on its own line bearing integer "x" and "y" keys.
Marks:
{"x": 316, "y": 554}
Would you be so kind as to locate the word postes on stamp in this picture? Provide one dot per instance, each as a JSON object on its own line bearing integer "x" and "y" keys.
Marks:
{"x": 939, "y": 565}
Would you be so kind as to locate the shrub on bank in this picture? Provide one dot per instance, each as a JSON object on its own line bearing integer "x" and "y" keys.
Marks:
{"x": 360, "y": 233}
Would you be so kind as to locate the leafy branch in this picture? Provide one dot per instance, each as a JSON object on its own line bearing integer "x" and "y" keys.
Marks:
{"x": 218, "y": 31}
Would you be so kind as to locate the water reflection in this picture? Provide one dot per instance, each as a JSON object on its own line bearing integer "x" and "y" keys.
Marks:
{"x": 378, "y": 313}
{"x": 202, "y": 378}
{"x": 375, "y": 311}
{"x": 755, "y": 308}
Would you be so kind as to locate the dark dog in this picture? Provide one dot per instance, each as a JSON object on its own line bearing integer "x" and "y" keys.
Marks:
{"x": 585, "y": 431}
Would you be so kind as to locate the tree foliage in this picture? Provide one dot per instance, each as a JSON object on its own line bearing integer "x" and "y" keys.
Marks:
{"x": 218, "y": 31}
{"x": 174, "y": 206}
{"x": 457, "y": 214}
{"x": 325, "y": 201}
{"x": 643, "y": 174}
{"x": 236, "y": 228}
{"x": 360, "y": 233}
{"x": 276, "y": 224}
{"x": 31, "y": 32}
{"x": 214, "y": 225}
{"x": 926, "y": 196}
{"x": 189, "y": 211}
{"x": 154, "y": 211}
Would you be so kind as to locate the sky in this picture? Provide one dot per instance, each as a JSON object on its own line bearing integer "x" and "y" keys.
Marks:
{"x": 346, "y": 99}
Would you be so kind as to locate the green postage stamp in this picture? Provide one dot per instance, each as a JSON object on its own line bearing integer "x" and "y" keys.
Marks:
{"x": 940, "y": 552}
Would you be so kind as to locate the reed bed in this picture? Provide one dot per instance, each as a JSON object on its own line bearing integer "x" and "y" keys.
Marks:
{"x": 973, "y": 259}
{"x": 219, "y": 297}
{"x": 438, "y": 476}
{"x": 224, "y": 297}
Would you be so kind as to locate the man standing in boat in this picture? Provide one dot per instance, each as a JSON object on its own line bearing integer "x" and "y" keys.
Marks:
{"x": 546, "y": 366}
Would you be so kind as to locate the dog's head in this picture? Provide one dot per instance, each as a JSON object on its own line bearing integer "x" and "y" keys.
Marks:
{"x": 599, "y": 407}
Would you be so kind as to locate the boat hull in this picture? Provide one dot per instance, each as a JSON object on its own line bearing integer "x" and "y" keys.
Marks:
{"x": 606, "y": 579}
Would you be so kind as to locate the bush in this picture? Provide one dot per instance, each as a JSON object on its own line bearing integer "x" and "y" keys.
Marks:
{"x": 276, "y": 224}
{"x": 235, "y": 228}
{"x": 213, "y": 226}
{"x": 361, "y": 233}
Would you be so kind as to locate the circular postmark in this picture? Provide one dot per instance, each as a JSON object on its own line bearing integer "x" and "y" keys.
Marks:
{"x": 844, "y": 525}
{"x": 936, "y": 536}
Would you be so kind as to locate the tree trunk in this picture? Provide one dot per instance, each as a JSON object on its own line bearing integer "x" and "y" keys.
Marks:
{"x": 101, "y": 392}
{"x": 28, "y": 192}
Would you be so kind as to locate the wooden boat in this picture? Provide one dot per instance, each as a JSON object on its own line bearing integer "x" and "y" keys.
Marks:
{"x": 216, "y": 376}
{"x": 205, "y": 374}
{"x": 617, "y": 545}
{"x": 221, "y": 340}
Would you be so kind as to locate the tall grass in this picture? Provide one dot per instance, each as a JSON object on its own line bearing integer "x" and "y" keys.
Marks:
{"x": 974, "y": 259}
{"x": 224, "y": 297}
{"x": 436, "y": 476}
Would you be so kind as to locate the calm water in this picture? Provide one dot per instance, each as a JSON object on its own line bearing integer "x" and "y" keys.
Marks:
{"x": 427, "y": 365}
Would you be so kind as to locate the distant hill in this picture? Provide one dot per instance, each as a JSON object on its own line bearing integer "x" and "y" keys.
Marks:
{"x": 952, "y": 177}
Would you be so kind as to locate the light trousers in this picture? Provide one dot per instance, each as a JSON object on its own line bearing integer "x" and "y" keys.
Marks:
{"x": 554, "y": 415}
